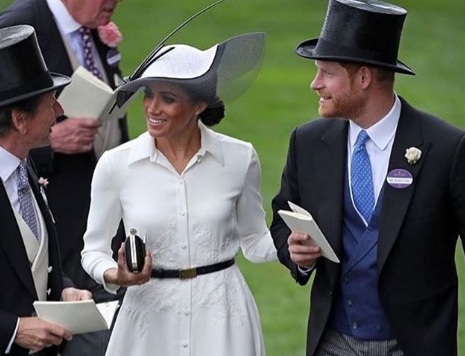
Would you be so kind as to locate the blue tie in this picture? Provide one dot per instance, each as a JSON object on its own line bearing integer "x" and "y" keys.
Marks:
{"x": 361, "y": 178}
{"x": 26, "y": 206}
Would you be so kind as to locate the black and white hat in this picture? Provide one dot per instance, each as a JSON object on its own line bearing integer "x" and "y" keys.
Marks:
{"x": 224, "y": 70}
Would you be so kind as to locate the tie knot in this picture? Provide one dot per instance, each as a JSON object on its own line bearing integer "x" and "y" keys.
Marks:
{"x": 361, "y": 139}
{"x": 84, "y": 30}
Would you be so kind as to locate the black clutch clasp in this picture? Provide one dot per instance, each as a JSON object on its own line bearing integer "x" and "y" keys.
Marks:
{"x": 135, "y": 251}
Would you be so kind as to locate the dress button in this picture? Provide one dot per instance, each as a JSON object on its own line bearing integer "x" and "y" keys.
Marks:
{"x": 185, "y": 344}
{"x": 49, "y": 291}
{"x": 183, "y": 245}
{"x": 346, "y": 280}
{"x": 355, "y": 325}
{"x": 187, "y": 313}
{"x": 183, "y": 213}
{"x": 49, "y": 269}
{"x": 349, "y": 303}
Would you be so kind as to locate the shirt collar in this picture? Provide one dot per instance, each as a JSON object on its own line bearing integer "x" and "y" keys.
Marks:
{"x": 383, "y": 131}
{"x": 8, "y": 164}
{"x": 66, "y": 23}
{"x": 144, "y": 146}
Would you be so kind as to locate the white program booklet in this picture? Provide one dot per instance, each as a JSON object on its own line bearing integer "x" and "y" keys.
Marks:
{"x": 88, "y": 96}
{"x": 80, "y": 316}
{"x": 300, "y": 219}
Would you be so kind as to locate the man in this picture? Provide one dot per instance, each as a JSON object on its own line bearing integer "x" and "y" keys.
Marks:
{"x": 385, "y": 182}
{"x": 30, "y": 266}
{"x": 76, "y": 143}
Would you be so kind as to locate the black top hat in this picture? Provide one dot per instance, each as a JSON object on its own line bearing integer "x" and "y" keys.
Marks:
{"x": 23, "y": 73}
{"x": 366, "y": 32}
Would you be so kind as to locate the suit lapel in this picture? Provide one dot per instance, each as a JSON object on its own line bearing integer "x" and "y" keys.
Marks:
{"x": 396, "y": 201}
{"x": 331, "y": 166}
{"x": 12, "y": 242}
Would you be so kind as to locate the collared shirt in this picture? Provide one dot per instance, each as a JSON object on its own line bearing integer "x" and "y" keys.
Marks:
{"x": 10, "y": 177}
{"x": 69, "y": 28}
{"x": 379, "y": 145}
{"x": 215, "y": 201}
{"x": 379, "y": 148}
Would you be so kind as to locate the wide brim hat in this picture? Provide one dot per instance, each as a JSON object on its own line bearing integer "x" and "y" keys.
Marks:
{"x": 224, "y": 70}
{"x": 365, "y": 32}
{"x": 23, "y": 72}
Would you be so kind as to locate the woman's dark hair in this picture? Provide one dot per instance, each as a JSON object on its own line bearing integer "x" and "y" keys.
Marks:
{"x": 29, "y": 106}
{"x": 214, "y": 112}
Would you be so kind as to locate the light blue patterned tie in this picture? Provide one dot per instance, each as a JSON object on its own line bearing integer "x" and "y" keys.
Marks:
{"x": 26, "y": 206}
{"x": 361, "y": 178}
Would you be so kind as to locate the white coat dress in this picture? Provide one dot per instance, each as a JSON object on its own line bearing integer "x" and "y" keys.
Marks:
{"x": 204, "y": 215}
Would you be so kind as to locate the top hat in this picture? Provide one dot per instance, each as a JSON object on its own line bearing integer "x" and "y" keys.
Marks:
{"x": 224, "y": 70}
{"x": 23, "y": 73}
{"x": 366, "y": 32}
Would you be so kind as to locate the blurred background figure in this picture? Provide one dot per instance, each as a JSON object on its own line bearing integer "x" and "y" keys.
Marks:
{"x": 73, "y": 33}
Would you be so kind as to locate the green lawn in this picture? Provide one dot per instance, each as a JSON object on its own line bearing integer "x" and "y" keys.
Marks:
{"x": 433, "y": 45}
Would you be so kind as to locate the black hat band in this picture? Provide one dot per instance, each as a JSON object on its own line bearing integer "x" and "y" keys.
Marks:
{"x": 42, "y": 81}
{"x": 329, "y": 50}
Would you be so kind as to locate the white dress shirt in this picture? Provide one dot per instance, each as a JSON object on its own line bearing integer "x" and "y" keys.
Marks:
{"x": 379, "y": 146}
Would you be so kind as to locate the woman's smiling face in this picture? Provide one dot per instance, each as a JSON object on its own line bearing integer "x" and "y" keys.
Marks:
{"x": 169, "y": 111}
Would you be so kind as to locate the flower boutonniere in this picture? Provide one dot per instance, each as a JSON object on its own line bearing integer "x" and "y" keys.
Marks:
{"x": 109, "y": 34}
{"x": 412, "y": 154}
{"x": 43, "y": 182}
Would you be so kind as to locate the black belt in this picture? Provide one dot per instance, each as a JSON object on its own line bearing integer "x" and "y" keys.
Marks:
{"x": 190, "y": 272}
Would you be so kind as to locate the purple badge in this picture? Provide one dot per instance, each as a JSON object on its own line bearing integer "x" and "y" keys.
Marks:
{"x": 399, "y": 178}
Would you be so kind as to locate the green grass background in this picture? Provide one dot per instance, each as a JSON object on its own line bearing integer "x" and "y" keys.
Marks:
{"x": 433, "y": 44}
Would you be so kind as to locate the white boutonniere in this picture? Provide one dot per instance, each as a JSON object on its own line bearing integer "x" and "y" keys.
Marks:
{"x": 43, "y": 182}
{"x": 412, "y": 154}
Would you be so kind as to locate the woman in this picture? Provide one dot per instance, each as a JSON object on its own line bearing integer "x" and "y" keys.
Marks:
{"x": 195, "y": 196}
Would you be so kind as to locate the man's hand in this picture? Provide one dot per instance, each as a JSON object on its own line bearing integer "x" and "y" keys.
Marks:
{"x": 302, "y": 251}
{"x": 35, "y": 334}
{"x": 73, "y": 135}
{"x": 73, "y": 294}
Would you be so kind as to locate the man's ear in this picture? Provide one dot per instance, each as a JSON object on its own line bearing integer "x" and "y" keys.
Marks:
{"x": 18, "y": 121}
{"x": 365, "y": 76}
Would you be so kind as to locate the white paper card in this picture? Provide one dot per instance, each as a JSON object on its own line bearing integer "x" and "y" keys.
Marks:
{"x": 301, "y": 220}
{"x": 80, "y": 316}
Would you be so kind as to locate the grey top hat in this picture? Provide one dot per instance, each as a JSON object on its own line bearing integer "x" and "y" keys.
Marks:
{"x": 23, "y": 72}
{"x": 366, "y": 32}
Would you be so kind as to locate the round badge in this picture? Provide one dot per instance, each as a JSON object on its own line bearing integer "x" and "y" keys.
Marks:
{"x": 113, "y": 57}
{"x": 399, "y": 178}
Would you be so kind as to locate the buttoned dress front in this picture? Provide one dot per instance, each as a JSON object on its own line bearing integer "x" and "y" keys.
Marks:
{"x": 202, "y": 216}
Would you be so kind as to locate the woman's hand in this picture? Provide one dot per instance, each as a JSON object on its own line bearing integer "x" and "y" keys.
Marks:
{"x": 123, "y": 277}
